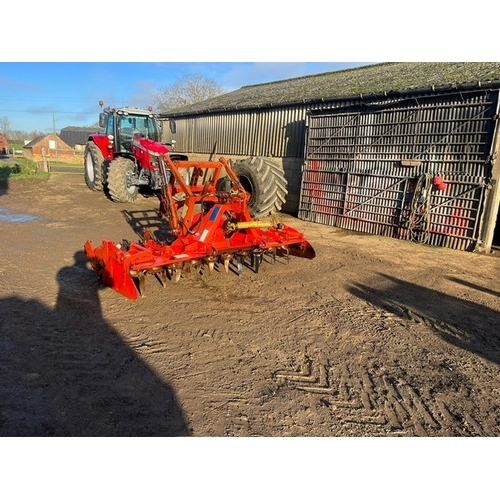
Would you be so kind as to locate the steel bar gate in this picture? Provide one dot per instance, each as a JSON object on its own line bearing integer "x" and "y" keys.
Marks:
{"x": 413, "y": 169}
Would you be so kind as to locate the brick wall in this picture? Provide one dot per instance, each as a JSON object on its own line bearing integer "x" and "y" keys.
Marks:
{"x": 60, "y": 156}
{"x": 3, "y": 143}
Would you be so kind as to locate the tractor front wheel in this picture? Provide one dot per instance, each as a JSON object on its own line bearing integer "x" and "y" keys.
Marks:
{"x": 121, "y": 175}
{"x": 265, "y": 181}
{"x": 94, "y": 165}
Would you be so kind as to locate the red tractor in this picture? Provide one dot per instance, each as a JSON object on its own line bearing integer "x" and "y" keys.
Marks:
{"x": 120, "y": 160}
{"x": 125, "y": 158}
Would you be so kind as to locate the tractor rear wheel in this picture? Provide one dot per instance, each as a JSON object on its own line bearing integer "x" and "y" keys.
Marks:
{"x": 120, "y": 180}
{"x": 265, "y": 181}
{"x": 94, "y": 166}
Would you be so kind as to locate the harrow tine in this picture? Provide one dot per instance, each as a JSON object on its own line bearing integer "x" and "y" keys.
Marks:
{"x": 197, "y": 266}
{"x": 142, "y": 284}
{"x": 272, "y": 252}
{"x": 162, "y": 277}
{"x": 192, "y": 266}
{"x": 177, "y": 273}
{"x": 284, "y": 250}
{"x": 256, "y": 261}
{"x": 239, "y": 263}
{"x": 211, "y": 264}
{"x": 226, "y": 258}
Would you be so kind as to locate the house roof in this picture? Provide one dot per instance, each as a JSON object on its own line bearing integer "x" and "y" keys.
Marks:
{"x": 34, "y": 141}
{"x": 372, "y": 80}
{"x": 60, "y": 143}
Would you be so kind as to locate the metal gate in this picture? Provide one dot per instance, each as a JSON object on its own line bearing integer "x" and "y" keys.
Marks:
{"x": 413, "y": 169}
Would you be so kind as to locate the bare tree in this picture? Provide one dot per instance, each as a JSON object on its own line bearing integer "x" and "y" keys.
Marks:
{"x": 36, "y": 133}
{"x": 20, "y": 136}
{"x": 188, "y": 89}
{"x": 4, "y": 125}
{"x": 17, "y": 135}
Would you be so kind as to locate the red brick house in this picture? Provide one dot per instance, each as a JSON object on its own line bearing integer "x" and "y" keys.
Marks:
{"x": 53, "y": 148}
{"x": 4, "y": 145}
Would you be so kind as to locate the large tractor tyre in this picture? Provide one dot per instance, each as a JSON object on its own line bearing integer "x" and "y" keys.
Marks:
{"x": 265, "y": 181}
{"x": 121, "y": 173}
{"x": 93, "y": 166}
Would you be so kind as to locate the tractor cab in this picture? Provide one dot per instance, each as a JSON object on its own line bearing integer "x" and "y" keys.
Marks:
{"x": 125, "y": 123}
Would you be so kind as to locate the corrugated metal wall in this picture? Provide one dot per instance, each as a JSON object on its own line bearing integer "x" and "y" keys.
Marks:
{"x": 275, "y": 132}
{"x": 370, "y": 168}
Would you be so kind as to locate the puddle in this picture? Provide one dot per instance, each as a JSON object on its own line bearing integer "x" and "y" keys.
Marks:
{"x": 7, "y": 216}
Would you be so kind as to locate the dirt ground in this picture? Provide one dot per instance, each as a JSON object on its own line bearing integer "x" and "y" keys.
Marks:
{"x": 374, "y": 337}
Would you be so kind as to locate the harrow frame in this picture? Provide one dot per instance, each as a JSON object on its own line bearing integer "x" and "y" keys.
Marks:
{"x": 206, "y": 208}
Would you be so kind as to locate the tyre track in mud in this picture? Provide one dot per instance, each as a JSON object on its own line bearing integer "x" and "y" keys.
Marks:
{"x": 343, "y": 367}
{"x": 191, "y": 361}
{"x": 381, "y": 393}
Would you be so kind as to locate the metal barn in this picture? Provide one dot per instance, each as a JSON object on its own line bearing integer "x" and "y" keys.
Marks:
{"x": 405, "y": 150}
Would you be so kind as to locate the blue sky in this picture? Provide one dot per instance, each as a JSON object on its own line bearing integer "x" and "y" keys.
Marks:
{"x": 37, "y": 95}
{"x": 76, "y": 45}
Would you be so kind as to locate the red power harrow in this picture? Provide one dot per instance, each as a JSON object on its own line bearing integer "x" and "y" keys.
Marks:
{"x": 206, "y": 208}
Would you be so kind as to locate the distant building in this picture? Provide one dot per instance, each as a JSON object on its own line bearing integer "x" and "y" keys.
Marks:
{"x": 77, "y": 137}
{"x": 4, "y": 144}
{"x": 53, "y": 148}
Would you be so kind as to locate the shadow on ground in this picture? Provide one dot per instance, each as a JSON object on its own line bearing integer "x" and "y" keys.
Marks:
{"x": 66, "y": 372}
{"x": 140, "y": 220}
{"x": 463, "y": 323}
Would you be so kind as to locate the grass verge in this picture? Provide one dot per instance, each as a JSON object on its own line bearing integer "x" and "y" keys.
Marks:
{"x": 21, "y": 168}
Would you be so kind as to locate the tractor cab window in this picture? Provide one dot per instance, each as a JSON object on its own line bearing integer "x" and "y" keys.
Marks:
{"x": 131, "y": 126}
{"x": 147, "y": 127}
{"x": 110, "y": 125}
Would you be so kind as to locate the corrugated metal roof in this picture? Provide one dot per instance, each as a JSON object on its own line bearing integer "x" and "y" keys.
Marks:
{"x": 78, "y": 135}
{"x": 365, "y": 81}
{"x": 92, "y": 130}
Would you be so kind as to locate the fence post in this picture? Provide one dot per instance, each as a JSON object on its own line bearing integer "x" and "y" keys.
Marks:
{"x": 44, "y": 160}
